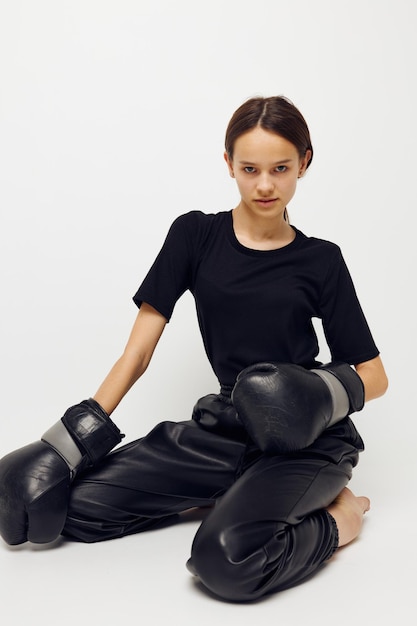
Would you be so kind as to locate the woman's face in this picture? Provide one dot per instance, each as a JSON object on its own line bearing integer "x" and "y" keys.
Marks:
{"x": 266, "y": 168}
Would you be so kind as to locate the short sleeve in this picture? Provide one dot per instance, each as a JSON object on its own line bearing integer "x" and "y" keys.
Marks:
{"x": 170, "y": 275}
{"x": 345, "y": 327}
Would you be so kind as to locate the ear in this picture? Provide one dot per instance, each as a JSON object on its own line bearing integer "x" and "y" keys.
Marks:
{"x": 229, "y": 164}
{"x": 303, "y": 163}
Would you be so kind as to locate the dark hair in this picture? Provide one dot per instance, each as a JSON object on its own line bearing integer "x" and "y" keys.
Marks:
{"x": 276, "y": 114}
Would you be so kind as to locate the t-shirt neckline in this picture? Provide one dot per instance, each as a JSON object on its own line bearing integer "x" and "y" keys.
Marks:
{"x": 253, "y": 251}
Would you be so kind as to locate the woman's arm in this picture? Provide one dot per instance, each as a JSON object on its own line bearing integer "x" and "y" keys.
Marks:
{"x": 373, "y": 377}
{"x": 145, "y": 334}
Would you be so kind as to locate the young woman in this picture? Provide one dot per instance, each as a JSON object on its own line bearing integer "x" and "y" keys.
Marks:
{"x": 274, "y": 450}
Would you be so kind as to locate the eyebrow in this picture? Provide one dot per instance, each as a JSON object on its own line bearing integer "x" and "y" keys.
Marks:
{"x": 276, "y": 162}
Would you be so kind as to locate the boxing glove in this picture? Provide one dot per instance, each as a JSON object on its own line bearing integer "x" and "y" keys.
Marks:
{"x": 35, "y": 480}
{"x": 285, "y": 407}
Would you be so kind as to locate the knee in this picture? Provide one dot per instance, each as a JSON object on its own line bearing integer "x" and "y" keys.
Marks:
{"x": 217, "y": 570}
{"x": 231, "y": 562}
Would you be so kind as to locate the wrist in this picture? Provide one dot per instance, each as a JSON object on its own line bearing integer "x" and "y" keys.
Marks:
{"x": 83, "y": 435}
{"x": 345, "y": 387}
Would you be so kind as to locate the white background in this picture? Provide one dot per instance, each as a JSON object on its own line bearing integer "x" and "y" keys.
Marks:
{"x": 112, "y": 120}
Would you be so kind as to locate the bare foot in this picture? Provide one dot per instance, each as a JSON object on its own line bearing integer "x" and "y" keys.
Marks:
{"x": 348, "y": 511}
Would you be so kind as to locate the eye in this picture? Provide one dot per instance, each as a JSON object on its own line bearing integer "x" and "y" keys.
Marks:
{"x": 249, "y": 169}
{"x": 281, "y": 168}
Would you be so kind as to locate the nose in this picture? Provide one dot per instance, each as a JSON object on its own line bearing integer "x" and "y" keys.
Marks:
{"x": 265, "y": 184}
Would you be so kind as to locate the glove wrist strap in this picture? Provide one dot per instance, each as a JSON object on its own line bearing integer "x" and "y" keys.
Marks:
{"x": 340, "y": 398}
{"x": 61, "y": 441}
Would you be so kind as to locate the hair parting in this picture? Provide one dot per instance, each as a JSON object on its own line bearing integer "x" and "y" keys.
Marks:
{"x": 276, "y": 114}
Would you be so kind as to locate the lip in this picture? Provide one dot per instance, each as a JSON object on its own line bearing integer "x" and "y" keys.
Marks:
{"x": 266, "y": 201}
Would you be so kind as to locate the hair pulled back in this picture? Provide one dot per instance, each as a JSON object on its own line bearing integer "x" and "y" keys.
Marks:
{"x": 276, "y": 114}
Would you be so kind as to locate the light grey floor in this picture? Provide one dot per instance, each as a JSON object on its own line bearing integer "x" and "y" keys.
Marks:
{"x": 142, "y": 579}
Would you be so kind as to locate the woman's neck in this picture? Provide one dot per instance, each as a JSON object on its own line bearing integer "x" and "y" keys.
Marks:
{"x": 257, "y": 233}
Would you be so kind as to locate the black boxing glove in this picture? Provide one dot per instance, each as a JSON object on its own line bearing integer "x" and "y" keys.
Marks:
{"x": 285, "y": 407}
{"x": 35, "y": 480}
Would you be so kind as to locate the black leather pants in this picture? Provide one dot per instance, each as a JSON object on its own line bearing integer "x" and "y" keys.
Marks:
{"x": 268, "y": 529}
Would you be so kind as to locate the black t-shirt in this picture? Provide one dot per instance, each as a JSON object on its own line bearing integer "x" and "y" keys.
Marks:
{"x": 255, "y": 305}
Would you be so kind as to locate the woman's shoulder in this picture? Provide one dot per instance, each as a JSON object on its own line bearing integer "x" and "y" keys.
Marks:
{"x": 197, "y": 225}
{"x": 317, "y": 244}
{"x": 200, "y": 219}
